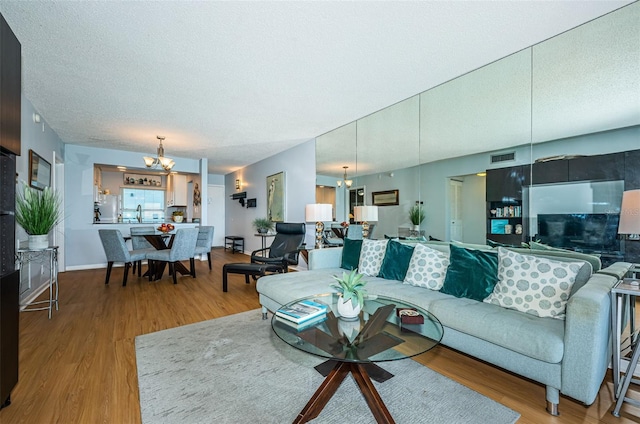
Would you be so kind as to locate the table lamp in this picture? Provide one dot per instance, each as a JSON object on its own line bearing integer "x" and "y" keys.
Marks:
{"x": 318, "y": 212}
{"x": 630, "y": 214}
{"x": 365, "y": 214}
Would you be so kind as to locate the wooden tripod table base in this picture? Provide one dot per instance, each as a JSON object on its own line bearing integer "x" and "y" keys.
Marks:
{"x": 331, "y": 383}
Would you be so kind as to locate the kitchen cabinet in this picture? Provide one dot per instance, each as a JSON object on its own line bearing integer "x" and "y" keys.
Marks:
{"x": 176, "y": 190}
{"x": 504, "y": 184}
{"x": 609, "y": 167}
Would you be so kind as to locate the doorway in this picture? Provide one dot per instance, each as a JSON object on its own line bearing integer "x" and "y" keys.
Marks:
{"x": 215, "y": 212}
{"x": 455, "y": 210}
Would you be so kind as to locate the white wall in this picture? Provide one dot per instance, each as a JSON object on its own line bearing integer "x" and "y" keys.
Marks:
{"x": 299, "y": 165}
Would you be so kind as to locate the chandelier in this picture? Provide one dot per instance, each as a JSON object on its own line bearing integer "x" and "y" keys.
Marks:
{"x": 347, "y": 183}
{"x": 160, "y": 160}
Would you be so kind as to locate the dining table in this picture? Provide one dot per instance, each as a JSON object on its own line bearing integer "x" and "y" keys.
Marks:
{"x": 162, "y": 241}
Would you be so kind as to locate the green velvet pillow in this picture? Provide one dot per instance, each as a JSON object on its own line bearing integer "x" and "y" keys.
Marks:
{"x": 396, "y": 261}
{"x": 471, "y": 273}
{"x": 351, "y": 253}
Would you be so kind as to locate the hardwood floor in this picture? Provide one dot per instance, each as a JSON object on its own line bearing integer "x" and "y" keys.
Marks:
{"x": 80, "y": 367}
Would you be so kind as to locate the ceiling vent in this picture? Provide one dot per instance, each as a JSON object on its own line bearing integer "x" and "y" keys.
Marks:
{"x": 503, "y": 157}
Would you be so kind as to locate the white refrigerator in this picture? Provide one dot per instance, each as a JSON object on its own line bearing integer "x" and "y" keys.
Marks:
{"x": 109, "y": 208}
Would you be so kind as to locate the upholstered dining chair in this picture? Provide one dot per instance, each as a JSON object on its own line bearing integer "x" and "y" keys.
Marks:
{"x": 183, "y": 247}
{"x": 138, "y": 242}
{"x": 116, "y": 251}
{"x": 203, "y": 245}
{"x": 284, "y": 250}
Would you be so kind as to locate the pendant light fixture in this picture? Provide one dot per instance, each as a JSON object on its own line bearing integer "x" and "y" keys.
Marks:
{"x": 160, "y": 160}
{"x": 344, "y": 180}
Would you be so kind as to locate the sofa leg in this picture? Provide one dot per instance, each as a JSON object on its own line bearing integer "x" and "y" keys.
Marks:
{"x": 264, "y": 313}
{"x": 552, "y": 408}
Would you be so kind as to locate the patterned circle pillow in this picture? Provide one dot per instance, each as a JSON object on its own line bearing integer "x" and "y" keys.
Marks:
{"x": 427, "y": 268}
{"x": 371, "y": 256}
{"x": 537, "y": 286}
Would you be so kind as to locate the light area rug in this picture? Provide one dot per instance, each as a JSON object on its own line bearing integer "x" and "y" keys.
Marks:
{"x": 236, "y": 370}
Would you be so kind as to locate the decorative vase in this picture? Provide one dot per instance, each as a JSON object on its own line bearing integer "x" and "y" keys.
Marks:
{"x": 177, "y": 218}
{"x": 262, "y": 231}
{"x": 346, "y": 310}
{"x": 416, "y": 228}
{"x": 40, "y": 241}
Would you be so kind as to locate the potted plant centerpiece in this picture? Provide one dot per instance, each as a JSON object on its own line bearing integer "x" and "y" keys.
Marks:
{"x": 416, "y": 216}
{"x": 262, "y": 225}
{"x": 177, "y": 216}
{"x": 352, "y": 292}
{"x": 38, "y": 211}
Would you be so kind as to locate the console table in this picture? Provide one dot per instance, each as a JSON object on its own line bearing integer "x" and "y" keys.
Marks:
{"x": 235, "y": 243}
{"x": 23, "y": 258}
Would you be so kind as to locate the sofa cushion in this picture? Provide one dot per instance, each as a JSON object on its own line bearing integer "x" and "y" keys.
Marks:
{"x": 427, "y": 268}
{"x": 371, "y": 256}
{"x": 471, "y": 273}
{"x": 532, "y": 284}
{"x": 396, "y": 261}
{"x": 351, "y": 253}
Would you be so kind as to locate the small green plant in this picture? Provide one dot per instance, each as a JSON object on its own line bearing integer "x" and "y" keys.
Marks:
{"x": 416, "y": 214}
{"x": 38, "y": 211}
{"x": 351, "y": 286}
{"x": 262, "y": 225}
{"x": 177, "y": 213}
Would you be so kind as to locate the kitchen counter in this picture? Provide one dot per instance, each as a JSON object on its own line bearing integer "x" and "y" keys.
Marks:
{"x": 125, "y": 226}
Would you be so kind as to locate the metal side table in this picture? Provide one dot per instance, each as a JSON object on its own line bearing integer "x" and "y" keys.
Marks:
{"x": 24, "y": 257}
{"x": 623, "y": 302}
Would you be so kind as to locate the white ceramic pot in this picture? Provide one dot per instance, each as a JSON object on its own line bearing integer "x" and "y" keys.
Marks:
{"x": 177, "y": 218}
{"x": 416, "y": 228}
{"x": 39, "y": 241}
{"x": 347, "y": 311}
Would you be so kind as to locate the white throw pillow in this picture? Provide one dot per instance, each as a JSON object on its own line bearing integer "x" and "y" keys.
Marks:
{"x": 371, "y": 256}
{"x": 537, "y": 286}
{"x": 427, "y": 268}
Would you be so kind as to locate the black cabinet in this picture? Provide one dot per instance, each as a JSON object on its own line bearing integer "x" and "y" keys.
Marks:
{"x": 10, "y": 85}
{"x": 554, "y": 171}
{"x": 632, "y": 170}
{"x": 504, "y": 184}
{"x": 9, "y": 316}
{"x": 609, "y": 167}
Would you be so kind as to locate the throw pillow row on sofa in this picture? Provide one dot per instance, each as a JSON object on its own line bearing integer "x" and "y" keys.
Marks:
{"x": 530, "y": 284}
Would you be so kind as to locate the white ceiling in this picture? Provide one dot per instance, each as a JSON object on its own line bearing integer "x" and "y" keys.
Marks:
{"x": 239, "y": 81}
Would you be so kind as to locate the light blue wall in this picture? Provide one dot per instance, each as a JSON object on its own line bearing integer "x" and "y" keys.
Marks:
{"x": 299, "y": 165}
{"x": 82, "y": 244}
{"x": 215, "y": 179}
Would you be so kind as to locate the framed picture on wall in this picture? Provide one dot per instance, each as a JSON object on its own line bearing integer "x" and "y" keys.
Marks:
{"x": 39, "y": 171}
{"x": 385, "y": 198}
{"x": 276, "y": 197}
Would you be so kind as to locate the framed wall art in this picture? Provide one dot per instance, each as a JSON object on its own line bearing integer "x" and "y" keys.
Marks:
{"x": 39, "y": 171}
{"x": 276, "y": 197}
{"x": 385, "y": 198}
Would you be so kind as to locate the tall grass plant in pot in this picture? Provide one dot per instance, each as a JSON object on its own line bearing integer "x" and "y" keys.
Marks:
{"x": 37, "y": 212}
{"x": 416, "y": 216}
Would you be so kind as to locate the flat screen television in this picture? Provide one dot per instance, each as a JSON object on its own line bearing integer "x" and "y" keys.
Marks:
{"x": 583, "y": 232}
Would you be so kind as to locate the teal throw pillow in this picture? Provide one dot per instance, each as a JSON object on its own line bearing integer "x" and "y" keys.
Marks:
{"x": 472, "y": 273}
{"x": 396, "y": 261}
{"x": 351, "y": 254}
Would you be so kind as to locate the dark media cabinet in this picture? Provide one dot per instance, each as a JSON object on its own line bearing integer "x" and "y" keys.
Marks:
{"x": 505, "y": 186}
{"x": 10, "y": 106}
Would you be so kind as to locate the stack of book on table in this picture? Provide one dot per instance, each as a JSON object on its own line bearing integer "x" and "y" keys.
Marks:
{"x": 302, "y": 314}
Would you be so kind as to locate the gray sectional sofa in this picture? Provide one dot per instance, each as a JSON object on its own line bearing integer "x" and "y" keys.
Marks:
{"x": 569, "y": 356}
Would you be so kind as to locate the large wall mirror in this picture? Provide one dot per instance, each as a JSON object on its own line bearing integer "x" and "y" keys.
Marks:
{"x": 564, "y": 112}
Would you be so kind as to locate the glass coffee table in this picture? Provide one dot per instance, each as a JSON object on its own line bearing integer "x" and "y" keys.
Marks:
{"x": 355, "y": 346}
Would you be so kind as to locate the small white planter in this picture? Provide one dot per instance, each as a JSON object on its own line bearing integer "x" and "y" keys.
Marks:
{"x": 39, "y": 241}
{"x": 347, "y": 311}
{"x": 178, "y": 218}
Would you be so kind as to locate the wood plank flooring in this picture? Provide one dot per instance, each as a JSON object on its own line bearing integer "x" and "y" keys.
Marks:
{"x": 80, "y": 367}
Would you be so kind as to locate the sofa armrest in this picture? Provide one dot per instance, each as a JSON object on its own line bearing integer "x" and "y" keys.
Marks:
{"x": 587, "y": 339}
{"x": 325, "y": 258}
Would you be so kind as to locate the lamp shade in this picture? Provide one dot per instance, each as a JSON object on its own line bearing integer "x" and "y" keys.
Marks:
{"x": 630, "y": 213}
{"x": 366, "y": 213}
{"x": 318, "y": 212}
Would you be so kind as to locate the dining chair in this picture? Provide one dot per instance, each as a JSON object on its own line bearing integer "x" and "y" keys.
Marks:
{"x": 116, "y": 251}
{"x": 138, "y": 242}
{"x": 203, "y": 245}
{"x": 183, "y": 247}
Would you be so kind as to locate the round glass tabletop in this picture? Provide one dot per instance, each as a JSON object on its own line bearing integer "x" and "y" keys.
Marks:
{"x": 386, "y": 330}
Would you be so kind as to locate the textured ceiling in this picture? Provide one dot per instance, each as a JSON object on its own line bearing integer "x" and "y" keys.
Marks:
{"x": 238, "y": 81}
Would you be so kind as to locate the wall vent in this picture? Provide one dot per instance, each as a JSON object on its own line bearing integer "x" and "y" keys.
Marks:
{"x": 503, "y": 157}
